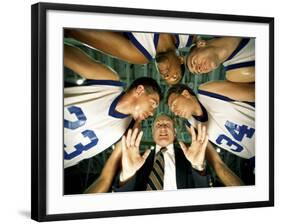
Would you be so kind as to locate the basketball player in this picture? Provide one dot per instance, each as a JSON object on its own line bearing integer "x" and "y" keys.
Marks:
{"x": 236, "y": 54}
{"x": 139, "y": 48}
{"x": 97, "y": 115}
{"x": 226, "y": 108}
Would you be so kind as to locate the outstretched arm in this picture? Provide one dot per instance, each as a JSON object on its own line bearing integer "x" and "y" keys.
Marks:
{"x": 109, "y": 171}
{"x": 113, "y": 43}
{"x": 235, "y": 91}
{"x": 227, "y": 177}
{"x": 82, "y": 64}
{"x": 241, "y": 75}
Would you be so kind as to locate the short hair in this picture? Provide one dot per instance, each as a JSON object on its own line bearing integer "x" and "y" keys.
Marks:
{"x": 178, "y": 89}
{"x": 182, "y": 72}
{"x": 162, "y": 114}
{"x": 149, "y": 84}
{"x": 192, "y": 47}
{"x": 182, "y": 66}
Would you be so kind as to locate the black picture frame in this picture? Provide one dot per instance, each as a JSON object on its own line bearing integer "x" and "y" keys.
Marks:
{"x": 40, "y": 122}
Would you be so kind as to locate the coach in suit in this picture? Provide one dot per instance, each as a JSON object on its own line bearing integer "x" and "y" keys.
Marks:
{"x": 167, "y": 167}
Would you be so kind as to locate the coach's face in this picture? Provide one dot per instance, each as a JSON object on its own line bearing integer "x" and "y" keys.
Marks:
{"x": 163, "y": 131}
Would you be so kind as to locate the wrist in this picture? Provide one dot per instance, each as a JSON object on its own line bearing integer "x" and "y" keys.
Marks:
{"x": 199, "y": 167}
{"x": 124, "y": 176}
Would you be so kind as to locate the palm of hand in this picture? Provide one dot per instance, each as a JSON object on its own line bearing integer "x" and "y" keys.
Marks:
{"x": 132, "y": 160}
{"x": 196, "y": 152}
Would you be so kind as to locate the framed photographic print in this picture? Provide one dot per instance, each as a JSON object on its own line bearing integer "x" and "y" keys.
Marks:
{"x": 138, "y": 111}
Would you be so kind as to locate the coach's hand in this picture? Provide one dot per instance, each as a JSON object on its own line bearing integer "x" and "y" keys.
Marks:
{"x": 195, "y": 153}
{"x": 132, "y": 160}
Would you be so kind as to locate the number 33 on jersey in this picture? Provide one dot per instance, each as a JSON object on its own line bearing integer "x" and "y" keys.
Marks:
{"x": 91, "y": 124}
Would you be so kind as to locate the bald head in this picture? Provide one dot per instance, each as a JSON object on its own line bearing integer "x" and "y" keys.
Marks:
{"x": 163, "y": 130}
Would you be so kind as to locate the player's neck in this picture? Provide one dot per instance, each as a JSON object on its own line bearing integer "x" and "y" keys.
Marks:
{"x": 124, "y": 104}
{"x": 197, "y": 109}
{"x": 166, "y": 43}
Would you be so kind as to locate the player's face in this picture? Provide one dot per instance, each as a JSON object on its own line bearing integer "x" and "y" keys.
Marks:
{"x": 163, "y": 131}
{"x": 169, "y": 67}
{"x": 146, "y": 105}
{"x": 202, "y": 60}
{"x": 180, "y": 105}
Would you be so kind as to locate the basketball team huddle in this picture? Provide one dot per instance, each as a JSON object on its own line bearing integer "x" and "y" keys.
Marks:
{"x": 101, "y": 113}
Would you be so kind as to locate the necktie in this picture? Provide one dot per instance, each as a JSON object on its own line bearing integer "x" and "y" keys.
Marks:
{"x": 156, "y": 176}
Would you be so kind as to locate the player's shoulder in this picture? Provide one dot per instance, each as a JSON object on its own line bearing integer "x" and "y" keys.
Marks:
{"x": 211, "y": 86}
{"x": 220, "y": 89}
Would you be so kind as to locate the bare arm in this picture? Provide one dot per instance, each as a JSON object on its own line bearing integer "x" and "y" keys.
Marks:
{"x": 242, "y": 75}
{"x": 109, "y": 171}
{"x": 81, "y": 63}
{"x": 227, "y": 177}
{"x": 229, "y": 44}
{"x": 113, "y": 43}
{"x": 235, "y": 91}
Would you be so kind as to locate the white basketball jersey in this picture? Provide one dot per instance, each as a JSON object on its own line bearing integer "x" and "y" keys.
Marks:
{"x": 230, "y": 124}
{"x": 147, "y": 42}
{"x": 91, "y": 123}
{"x": 243, "y": 56}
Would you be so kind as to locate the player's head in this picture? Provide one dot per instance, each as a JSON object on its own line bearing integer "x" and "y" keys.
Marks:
{"x": 170, "y": 66}
{"x": 146, "y": 94}
{"x": 163, "y": 130}
{"x": 202, "y": 58}
{"x": 181, "y": 100}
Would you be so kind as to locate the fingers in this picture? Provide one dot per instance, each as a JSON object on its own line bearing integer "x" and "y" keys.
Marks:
{"x": 137, "y": 124}
{"x": 199, "y": 129}
{"x": 183, "y": 146}
{"x": 204, "y": 134}
{"x": 123, "y": 142}
{"x": 205, "y": 143}
{"x": 138, "y": 140}
{"x": 201, "y": 133}
{"x": 128, "y": 138}
{"x": 193, "y": 134}
{"x": 133, "y": 138}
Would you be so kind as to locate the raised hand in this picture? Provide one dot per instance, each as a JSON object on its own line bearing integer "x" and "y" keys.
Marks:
{"x": 132, "y": 160}
{"x": 195, "y": 153}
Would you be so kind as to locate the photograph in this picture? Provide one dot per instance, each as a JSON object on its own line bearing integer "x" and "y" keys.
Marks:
{"x": 157, "y": 111}
{"x": 149, "y": 111}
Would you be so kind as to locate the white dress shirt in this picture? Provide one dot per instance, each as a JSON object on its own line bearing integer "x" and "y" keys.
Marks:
{"x": 170, "y": 182}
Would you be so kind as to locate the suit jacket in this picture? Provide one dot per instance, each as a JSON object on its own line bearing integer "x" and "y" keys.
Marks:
{"x": 186, "y": 176}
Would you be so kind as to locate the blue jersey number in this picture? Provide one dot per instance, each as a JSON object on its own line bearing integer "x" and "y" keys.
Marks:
{"x": 81, "y": 120}
{"x": 238, "y": 132}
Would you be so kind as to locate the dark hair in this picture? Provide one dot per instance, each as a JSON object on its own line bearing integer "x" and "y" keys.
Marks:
{"x": 192, "y": 48}
{"x": 178, "y": 89}
{"x": 182, "y": 72}
{"x": 149, "y": 84}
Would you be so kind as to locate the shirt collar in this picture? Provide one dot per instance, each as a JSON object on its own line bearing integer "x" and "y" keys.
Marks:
{"x": 170, "y": 148}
